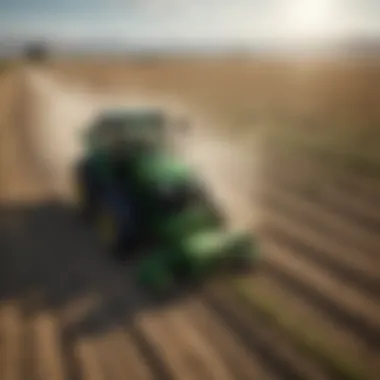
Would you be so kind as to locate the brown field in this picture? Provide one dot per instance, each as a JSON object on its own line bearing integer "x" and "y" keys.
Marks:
{"x": 336, "y": 89}
{"x": 333, "y": 107}
{"x": 312, "y": 309}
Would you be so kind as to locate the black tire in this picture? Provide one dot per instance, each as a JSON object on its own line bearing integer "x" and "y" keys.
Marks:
{"x": 127, "y": 237}
{"x": 111, "y": 240}
{"x": 86, "y": 192}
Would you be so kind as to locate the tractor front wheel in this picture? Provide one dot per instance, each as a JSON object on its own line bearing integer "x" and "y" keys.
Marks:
{"x": 116, "y": 223}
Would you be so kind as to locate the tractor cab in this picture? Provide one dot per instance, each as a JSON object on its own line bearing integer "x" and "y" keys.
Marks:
{"x": 116, "y": 130}
{"x": 133, "y": 146}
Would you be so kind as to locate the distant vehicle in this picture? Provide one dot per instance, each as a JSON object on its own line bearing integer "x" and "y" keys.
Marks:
{"x": 36, "y": 52}
{"x": 138, "y": 195}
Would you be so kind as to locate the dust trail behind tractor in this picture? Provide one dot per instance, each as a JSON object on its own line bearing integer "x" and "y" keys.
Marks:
{"x": 60, "y": 112}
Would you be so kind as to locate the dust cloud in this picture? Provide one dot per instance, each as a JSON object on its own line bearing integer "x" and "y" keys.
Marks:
{"x": 62, "y": 111}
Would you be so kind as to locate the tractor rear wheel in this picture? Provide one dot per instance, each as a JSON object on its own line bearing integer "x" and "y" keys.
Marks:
{"x": 116, "y": 223}
{"x": 85, "y": 193}
{"x": 107, "y": 229}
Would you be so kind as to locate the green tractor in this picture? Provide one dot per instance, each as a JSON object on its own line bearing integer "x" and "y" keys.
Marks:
{"x": 141, "y": 198}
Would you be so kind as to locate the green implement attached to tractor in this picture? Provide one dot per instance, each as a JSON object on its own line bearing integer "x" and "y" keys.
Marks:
{"x": 141, "y": 198}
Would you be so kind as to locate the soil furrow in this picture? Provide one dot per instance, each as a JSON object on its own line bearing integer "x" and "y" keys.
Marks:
{"x": 312, "y": 169}
{"x": 151, "y": 353}
{"x": 255, "y": 332}
{"x": 12, "y": 332}
{"x": 120, "y": 357}
{"x": 246, "y": 365}
{"x": 48, "y": 349}
{"x": 199, "y": 352}
{"x": 363, "y": 213}
{"x": 363, "y": 188}
{"x": 353, "y": 300}
{"x": 295, "y": 275}
{"x": 327, "y": 222}
{"x": 160, "y": 335}
{"x": 360, "y": 212}
{"x": 88, "y": 359}
{"x": 304, "y": 317}
{"x": 342, "y": 261}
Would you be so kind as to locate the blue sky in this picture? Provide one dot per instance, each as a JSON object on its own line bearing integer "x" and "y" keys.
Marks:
{"x": 247, "y": 21}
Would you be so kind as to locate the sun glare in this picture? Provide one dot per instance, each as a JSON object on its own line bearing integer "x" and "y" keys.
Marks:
{"x": 310, "y": 18}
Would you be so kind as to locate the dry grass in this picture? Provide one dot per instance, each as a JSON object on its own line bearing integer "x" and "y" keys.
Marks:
{"x": 227, "y": 90}
{"x": 328, "y": 102}
{"x": 332, "y": 105}
{"x": 349, "y": 89}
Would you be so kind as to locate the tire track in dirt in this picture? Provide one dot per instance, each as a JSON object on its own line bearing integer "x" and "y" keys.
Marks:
{"x": 232, "y": 351}
{"x": 307, "y": 243}
{"x": 345, "y": 305}
{"x": 334, "y": 225}
{"x": 327, "y": 185}
{"x": 358, "y": 213}
{"x": 299, "y": 311}
{"x": 289, "y": 222}
{"x": 187, "y": 356}
{"x": 12, "y": 331}
{"x": 253, "y": 330}
{"x": 194, "y": 316}
{"x": 47, "y": 348}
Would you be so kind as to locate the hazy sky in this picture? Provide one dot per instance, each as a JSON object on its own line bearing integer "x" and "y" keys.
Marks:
{"x": 189, "y": 20}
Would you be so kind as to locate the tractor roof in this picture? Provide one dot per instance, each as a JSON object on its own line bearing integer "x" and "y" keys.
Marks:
{"x": 127, "y": 112}
{"x": 121, "y": 115}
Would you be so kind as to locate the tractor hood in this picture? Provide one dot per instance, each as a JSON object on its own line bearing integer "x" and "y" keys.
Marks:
{"x": 162, "y": 169}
